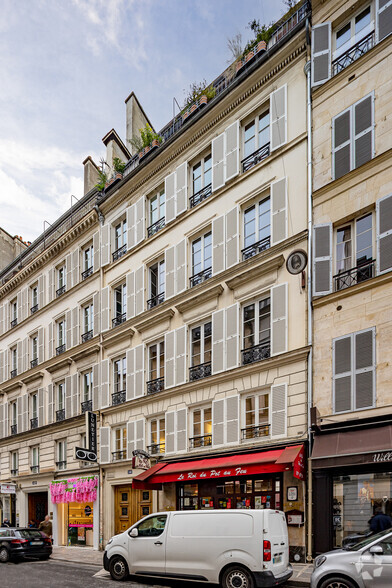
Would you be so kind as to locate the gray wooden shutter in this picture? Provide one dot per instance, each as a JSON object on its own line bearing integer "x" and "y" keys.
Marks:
{"x": 218, "y": 422}
{"x": 279, "y": 410}
{"x": 139, "y": 371}
{"x": 131, "y": 226}
{"x": 180, "y": 350}
{"x": 97, "y": 313}
{"x": 75, "y": 326}
{"x": 181, "y": 188}
{"x": 232, "y": 422}
{"x": 140, "y": 220}
{"x": 68, "y": 398}
{"x": 170, "y": 196}
{"x": 24, "y": 414}
{"x": 365, "y": 368}
{"x": 51, "y": 284}
{"x": 218, "y": 162}
{"x": 321, "y": 54}
{"x": 75, "y": 395}
{"x": 105, "y": 308}
{"x": 68, "y": 329}
{"x": 19, "y": 306}
{"x": 96, "y": 387}
{"x": 50, "y": 404}
{"x": 130, "y": 285}
{"x": 41, "y": 345}
{"x": 25, "y": 302}
{"x": 341, "y": 144}
{"x": 170, "y": 273}
{"x": 130, "y": 378}
{"x": 25, "y": 354}
{"x": 218, "y": 245}
{"x": 139, "y": 437}
{"x": 383, "y": 19}
{"x": 41, "y": 407}
{"x": 19, "y": 414}
{"x": 2, "y": 431}
{"x": 181, "y": 430}
{"x": 231, "y": 336}
{"x": 68, "y": 271}
{"x": 279, "y": 315}
{"x": 279, "y": 211}
{"x": 19, "y": 357}
{"x": 278, "y": 113}
{"x": 41, "y": 291}
{"x": 363, "y": 130}
{"x": 51, "y": 339}
{"x": 105, "y": 245}
{"x": 180, "y": 258}
{"x": 232, "y": 237}
{"x": 322, "y": 259}
{"x": 131, "y": 434}
{"x": 169, "y": 359}
{"x": 218, "y": 341}
{"x": 139, "y": 290}
{"x": 232, "y": 152}
{"x": 105, "y": 400}
{"x": 5, "y": 420}
{"x": 96, "y": 252}
{"x": 170, "y": 433}
{"x": 104, "y": 446}
{"x": 342, "y": 373}
{"x": 75, "y": 267}
{"x": 384, "y": 234}
{"x": 1, "y": 319}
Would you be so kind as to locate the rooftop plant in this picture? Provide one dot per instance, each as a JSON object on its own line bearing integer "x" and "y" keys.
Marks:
{"x": 100, "y": 186}
{"x": 118, "y": 165}
{"x": 196, "y": 90}
{"x": 146, "y": 137}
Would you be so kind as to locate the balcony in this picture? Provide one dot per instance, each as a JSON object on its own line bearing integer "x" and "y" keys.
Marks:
{"x": 60, "y": 349}
{"x": 34, "y": 362}
{"x": 352, "y": 54}
{"x": 14, "y": 322}
{"x": 60, "y": 415}
{"x": 200, "y": 277}
{"x": 355, "y": 275}
{"x": 14, "y": 429}
{"x": 14, "y": 373}
{"x": 34, "y": 308}
{"x": 255, "y": 157}
{"x": 61, "y": 290}
{"x": 255, "y": 431}
{"x": 156, "y": 448}
{"x": 256, "y": 353}
{"x": 119, "y": 252}
{"x": 118, "y": 455}
{"x": 199, "y": 196}
{"x": 200, "y": 441}
{"x": 155, "y": 300}
{"x": 256, "y": 248}
{"x": 87, "y": 335}
{"x": 61, "y": 465}
{"x": 155, "y": 227}
{"x": 87, "y": 405}
{"x": 197, "y": 372}
{"x": 119, "y": 319}
{"x": 88, "y": 272}
{"x": 34, "y": 469}
{"x": 118, "y": 397}
{"x": 154, "y": 386}
{"x": 34, "y": 423}
{"x": 14, "y": 472}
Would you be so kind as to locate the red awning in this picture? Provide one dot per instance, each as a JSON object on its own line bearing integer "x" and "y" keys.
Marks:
{"x": 245, "y": 464}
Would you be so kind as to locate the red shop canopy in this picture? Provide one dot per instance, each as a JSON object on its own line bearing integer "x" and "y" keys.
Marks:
{"x": 245, "y": 464}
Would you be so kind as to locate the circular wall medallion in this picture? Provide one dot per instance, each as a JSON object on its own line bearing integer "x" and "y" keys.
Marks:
{"x": 297, "y": 261}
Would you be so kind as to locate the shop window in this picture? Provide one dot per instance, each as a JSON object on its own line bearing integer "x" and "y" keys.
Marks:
{"x": 256, "y": 334}
{"x": 256, "y": 416}
{"x": 80, "y": 523}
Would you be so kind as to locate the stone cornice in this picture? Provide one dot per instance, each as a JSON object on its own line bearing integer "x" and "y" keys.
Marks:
{"x": 157, "y": 317}
{"x": 117, "y": 334}
{"x": 199, "y": 297}
{"x": 82, "y": 353}
{"x": 255, "y": 271}
{"x": 58, "y": 364}
{"x": 32, "y": 377}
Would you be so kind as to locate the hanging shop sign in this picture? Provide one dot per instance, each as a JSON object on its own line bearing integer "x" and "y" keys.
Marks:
{"x": 74, "y": 490}
{"x": 7, "y": 489}
{"x": 91, "y": 431}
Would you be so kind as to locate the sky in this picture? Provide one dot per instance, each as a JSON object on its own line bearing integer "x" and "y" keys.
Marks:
{"x": 66, "y": 68}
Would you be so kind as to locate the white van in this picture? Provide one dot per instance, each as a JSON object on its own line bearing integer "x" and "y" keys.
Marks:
{"x": 235, "y": 548}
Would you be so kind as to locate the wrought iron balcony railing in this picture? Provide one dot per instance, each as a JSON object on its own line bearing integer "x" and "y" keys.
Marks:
{"x": 119, "y": 319}
{"x": 88, "y": 272}
{"x": 34, "y": 362}
{"x": 352, "y": 54}
{"x": 197, "y": 372}
{"x": 14, "y": 472}
{"x": 200, "y": 277}
{"x": 117, "y": 455}
{"x": 14, "y": 373}
{"x": 256, "y": 248}
{"x": 118, "y": 397}
{"x": 34, "y": 469}
{"x": 254, "y": 431}
{"x": 34, "y": 423}
{"x": 255, "y": 157}
{"x": 256, "y": 353}
{"x": 61, "y": 465}
{"x": 87, "y": 405}
{"x": 60, "y": 349}
{"x": 14, "y": 322}
{"x": 200, "y": 441}
{"x": 156, "y": 300}
{"x": 34, "y": 308}
{"x": 155, "y": 227}
{"x": 14, "y": 429}
{"x": 61, "y": 290}
{"x": 156, "y": 448}
{"x": 60, "y": 415}
{"x": 355, "y": 275}
{"x": 199, "y": 196}
{"x": 154, "y": 386}
{"x": 119, "y": 252}
{"x": 87, "y": 335}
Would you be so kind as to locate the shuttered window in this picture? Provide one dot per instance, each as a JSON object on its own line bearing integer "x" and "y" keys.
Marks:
{"x": 256, "y": 420}
{"x": 383, "y": 19}
{"x": 354, "y": 252}
{"x": 354, "y": 371}
{"x": 156, "y": 367}
{"x": 157, "y": 436}
{"x": 321, "y": 53}
{"x": 156, "y": 209}
{"x": 256, "y": 331}
{"x": 257, "y": 228}
{"x": 156, "y": 284}
{"x": 201, "y": 259}
{"x": 384, "y": 234}
{"x": 201, "y": 428}
{"x": 119, "y": 443}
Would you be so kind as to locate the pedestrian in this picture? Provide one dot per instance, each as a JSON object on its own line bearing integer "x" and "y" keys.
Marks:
{"x": 380, "y": 521}
{"x": 6, "y": 523}
{"x": 32, "y": 524}
{"x": 46, "y": 526}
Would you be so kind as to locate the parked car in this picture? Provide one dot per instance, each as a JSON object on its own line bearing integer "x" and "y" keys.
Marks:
{"x": 355, "y": 538}
{"x": 242, "y": 548}
{"x": 18, "y": 543}
{"x": 367, "y": 564}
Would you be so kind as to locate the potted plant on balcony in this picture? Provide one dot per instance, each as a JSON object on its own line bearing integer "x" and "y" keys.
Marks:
{"x": 262, "y": 34}
{"x": 119, "y": 167}
{"x": 103, "y": 181}
{"x": 198, "y": 95}
{"x": 146, "y": 141}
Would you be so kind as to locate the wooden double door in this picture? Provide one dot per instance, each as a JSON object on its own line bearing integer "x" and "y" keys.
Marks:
{"x": 38, "y": 506}
{"x": 130, "y": 506}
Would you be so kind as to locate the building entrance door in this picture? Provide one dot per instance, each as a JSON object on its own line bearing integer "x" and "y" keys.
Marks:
{"x": 38, "y": 506}
{"x": 130, "y": 506}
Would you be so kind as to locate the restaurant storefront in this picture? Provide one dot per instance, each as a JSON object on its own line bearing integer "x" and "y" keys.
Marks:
{"x": 8, "y": 503}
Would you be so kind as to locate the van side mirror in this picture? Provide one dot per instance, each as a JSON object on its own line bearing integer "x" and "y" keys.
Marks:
{"x": 133, "y": 532}
{"x": 376, "y": 550}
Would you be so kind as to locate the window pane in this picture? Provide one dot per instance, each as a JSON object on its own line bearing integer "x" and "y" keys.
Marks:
{"x": 250, "y": 226}
{"x": 153, "y": 362}
{"x": 264, "y": 321}
{"x": 249, "y": 139}
{"x": 161, "y": 372}
{"x": 161, "y": 204}
{"x": 197, "y": 177}
{"x": 207, "y": 342}
{"x": 207, "y": 421}
{"x": 154, "y": 209}
{"x": 207, "y": 170}
{"x": 154, "y": 280}
{"x": 196, "y": 346}
{"x": 161, "y": 277}
{"x": 343, "y": 249}
{"x": 196, "y": 257}
{"x": 250, "y": 411}
{"x": 154, "y": 436}
{"x": 343, "y": 36}
{"x": 207, "y": 250}
{"x": 249, "y": 326}
{"x": 264, "y": 135}
{"x": 263, "y": 409}
{"x": 264, "y": 219}
{"x": 362, "y": 20}
{"x": 364, "y": 239}
{"x": 197, "y": 423}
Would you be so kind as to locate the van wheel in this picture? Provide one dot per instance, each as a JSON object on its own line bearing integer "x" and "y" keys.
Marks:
{"x": 4, "y": 554}
{"x": 237, "y": 577}
{"x": 118, "y": 568}
{"x": 337, "y": 582}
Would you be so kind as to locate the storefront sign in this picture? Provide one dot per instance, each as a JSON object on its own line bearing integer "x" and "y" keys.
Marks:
{"x": 292, "y": 494}
{"x": 91, "y": 431}
{"x": 381, "y": 457}
{"x": 223, "y": 473}
{"x": 7, "y": 489}
{"x": 299, "y": 465}
{"x": 85, "y": 454}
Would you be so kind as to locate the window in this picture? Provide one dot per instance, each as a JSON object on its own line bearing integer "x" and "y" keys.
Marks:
{"x": 256, "y": 331}
{"x": 88, "y": 322}
{"x": 257, "y": 228}
{"x": 61, "y": 462}
{"x": 34, "y": 351}
{"x": 157, "y": 212}
{"x": 33, "y": 410}
{"x": 157, "y": 284}
{"x": 120, "y": 305}
{"x": 34, "y": 457}
{"x": 88, "y": 254}
{"x": 201, "y": 428}
{"x": 14, "y": 463}
{"x": 120, "y": 240}
{"x": 14, "y": 417}
{"x": 256, "y": 416}
{"x": 34, "y": 299}
{"x": 87, "y": 388}
{"x": 119, "y": 382}
{"x": 152, "y": 527}
{"x": 61, "y": 284}
{"x": 60, "y": 337}
{"x": 120, "y": 443}
{"x": 353, "y": 32}
{"x": 354, "y": 252}
{"x": 256, "y": 140}
{"x": 354, "y": 371}
{"x": 157, "y": 436}
{"x": 14, "y": 313}
{"x": 200, "y": 352}
{"x": 201, "y": 180}
{"x": 60, "y": 401}
{"x": 201, "y": 259}
{"x": 156, "y": 367}
{"x": 14, "y": 361}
